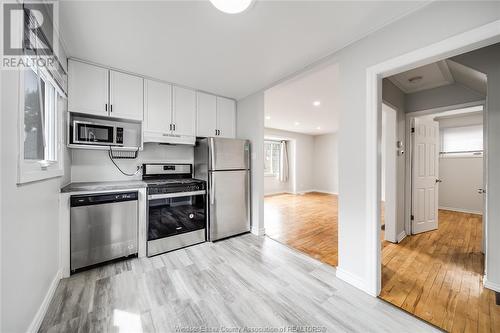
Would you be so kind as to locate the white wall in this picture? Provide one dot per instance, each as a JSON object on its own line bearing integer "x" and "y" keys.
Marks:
{"x": 325, "y": 163}
{"x": 442, "y": 20}
{"x": 301, "y": 158}
{"x": 95, "y": 165}
{"x": 462, "y": 177}
{"x": 250, "y": 126}
{"x": 29, "y": 226}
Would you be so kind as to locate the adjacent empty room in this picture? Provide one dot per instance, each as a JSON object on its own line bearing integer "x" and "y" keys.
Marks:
{"x": 300, "y": 163}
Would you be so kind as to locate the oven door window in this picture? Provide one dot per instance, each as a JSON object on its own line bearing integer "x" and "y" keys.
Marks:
{"x": 173, "y": 216}
{"x": 95, "y": 133}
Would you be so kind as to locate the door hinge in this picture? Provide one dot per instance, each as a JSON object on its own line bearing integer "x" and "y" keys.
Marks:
{"x": 412, "y": 217}
{"x": 413, "y": 129}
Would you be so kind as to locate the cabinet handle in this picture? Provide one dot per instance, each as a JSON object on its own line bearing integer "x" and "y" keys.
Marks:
{"x": 215, "y": 132}
{"x": 174, "y": 127}
{"x": 111, "y": 107}
{"x": 106, "y": 107}
{"x": 170, "y": 126}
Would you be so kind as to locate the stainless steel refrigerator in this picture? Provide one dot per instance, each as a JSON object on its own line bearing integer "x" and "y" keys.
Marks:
{"x": 225, "y": 165}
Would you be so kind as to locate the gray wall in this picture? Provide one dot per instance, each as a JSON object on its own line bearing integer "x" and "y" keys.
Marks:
{"x": 325, "y": 171}
{"x": 453, "y": 94}
{"x": 487, "y": 60}
{"x": 394, "y": 97}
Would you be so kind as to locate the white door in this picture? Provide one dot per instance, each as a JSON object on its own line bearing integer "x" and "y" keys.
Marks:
{"x": 206, "y": 119}
{"x": 226, "y": 117}
{"x": 425, "y": 175}
{"x": 126, "y": 96}
{"x": 184, "y": 111}
{"x": 157, "y": 107}
{"x": 87, "y": 88}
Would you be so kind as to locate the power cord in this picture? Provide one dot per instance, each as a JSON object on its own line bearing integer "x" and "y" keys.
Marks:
{"x": 116, "y": 165}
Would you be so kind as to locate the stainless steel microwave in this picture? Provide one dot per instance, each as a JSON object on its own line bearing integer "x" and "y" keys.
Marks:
{"x": 90, "y": 133}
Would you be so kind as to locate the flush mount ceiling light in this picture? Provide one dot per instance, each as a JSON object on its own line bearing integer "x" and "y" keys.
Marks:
{"x": 296, "y": 123}
{"x": 232, "y": 6}
{"x": 318, "y": 128}
{"x": 268, "y": 117}
{"x": 415, "y": 79}
{"x": 317, "y": 103}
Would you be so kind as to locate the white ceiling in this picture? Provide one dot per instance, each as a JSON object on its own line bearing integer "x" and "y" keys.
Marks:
{"x": 439, "y": 74}
{"x": 192, "y": 43}
{"x": 289, "y": 105}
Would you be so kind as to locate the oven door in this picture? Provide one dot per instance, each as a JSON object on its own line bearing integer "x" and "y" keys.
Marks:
{"x": 93, "y": 134}
{"x": 175, "y": 214}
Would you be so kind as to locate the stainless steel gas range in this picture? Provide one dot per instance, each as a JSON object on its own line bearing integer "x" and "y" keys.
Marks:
{"x": 177, "y": 214}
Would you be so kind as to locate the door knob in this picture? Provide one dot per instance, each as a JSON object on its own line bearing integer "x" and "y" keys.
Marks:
{"x": 438, "y": 180}
{"x": 481, "y": 191}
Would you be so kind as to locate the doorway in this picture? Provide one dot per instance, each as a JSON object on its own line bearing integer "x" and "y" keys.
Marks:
{"x": 436, "y": 271}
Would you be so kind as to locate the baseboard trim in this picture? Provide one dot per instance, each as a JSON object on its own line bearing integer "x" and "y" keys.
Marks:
{"x": 42, "y": 310}
{"x": 460, "y": 210}
{"x": 319, "y": 191}
{"x": 401, "y": 236}
{"x": 277, "y": 193}
{"x": 491, "y": 285}
{"x": 258, "y": 232}
{"x": 353, "y": 280}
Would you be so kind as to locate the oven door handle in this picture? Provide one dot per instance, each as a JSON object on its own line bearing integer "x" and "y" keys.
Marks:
{"x": 175, "y": 195}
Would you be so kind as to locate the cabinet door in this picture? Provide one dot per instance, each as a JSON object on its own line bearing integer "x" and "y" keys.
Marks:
{"x": 87, "y": 88}
{"x": 126, "y": 96}
{"x": 206, "y": 115}
{"x": 226, "y": 117}
{"x": 184, "y": 112}
{"x": 157, "y": 106}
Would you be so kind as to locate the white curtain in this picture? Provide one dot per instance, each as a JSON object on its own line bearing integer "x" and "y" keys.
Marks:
{"x": 283, "y": 175}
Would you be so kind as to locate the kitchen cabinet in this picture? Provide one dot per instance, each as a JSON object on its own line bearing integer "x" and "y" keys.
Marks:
{"x": 87, "y": 88}
{"x": 126, "y": 96}
{"x": 215, "y": 116}
{"x": 206, "y": 123}
{"x": 184, "y": 111}
{"x": 157, "y": 107}
{"x": 226, "y": 117}
{"x": 103, "y": 92}
{"x": 169, "y": 113}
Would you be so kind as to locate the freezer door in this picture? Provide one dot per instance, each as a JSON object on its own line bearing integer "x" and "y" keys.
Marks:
{"x": 229, "y": 203}
{"x": 229, "y": 154}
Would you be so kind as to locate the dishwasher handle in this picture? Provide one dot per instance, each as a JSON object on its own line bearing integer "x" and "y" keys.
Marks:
{"x": 104, "y": 198}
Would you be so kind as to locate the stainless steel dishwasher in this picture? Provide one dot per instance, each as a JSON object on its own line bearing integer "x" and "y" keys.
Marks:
{"x": 103, "y": 227}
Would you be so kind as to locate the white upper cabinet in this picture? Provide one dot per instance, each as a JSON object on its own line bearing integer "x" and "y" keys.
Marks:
{"x": 184, "y": 111}
{"x": 226, "y": 117}
{"x": 87, "y": 88}
{"x": 206, "y": 124}
{"x": 126, "y": 96}
{"x": 157, "y": 108}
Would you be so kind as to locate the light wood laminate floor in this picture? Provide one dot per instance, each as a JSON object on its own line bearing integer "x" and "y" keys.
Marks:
{"x": 247, "y": 281}
{"x": 438, "y": 275}
{"x": 307, "y": 223}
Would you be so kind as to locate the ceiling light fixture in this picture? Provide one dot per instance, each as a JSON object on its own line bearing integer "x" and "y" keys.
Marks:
{"x": 415, "y": 79}
{"x": 317, "y": 103}
{"x": 268, "y": 117}
{"x": 232, "y": 6}
{"x": 296, "y": 123}
{"x": 318, "y": 128}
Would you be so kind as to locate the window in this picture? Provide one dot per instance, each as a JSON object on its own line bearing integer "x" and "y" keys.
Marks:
{"x": 272, "y": 158}
{"x": 40, "y": 107}
{"x": 466, "y": 139}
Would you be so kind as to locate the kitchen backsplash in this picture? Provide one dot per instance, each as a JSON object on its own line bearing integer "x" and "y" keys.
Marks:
{"x": 95, "y": 165}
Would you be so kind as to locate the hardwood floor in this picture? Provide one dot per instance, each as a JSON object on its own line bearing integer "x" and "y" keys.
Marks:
{"x": 243, "y": 282}
{"x": 307, "y": 223}
{"x": 437, "y": 276}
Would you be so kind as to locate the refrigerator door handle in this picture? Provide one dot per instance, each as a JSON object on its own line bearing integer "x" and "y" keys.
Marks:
{"x": 212, "y": 154}
{"x": 212, "y": 189}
